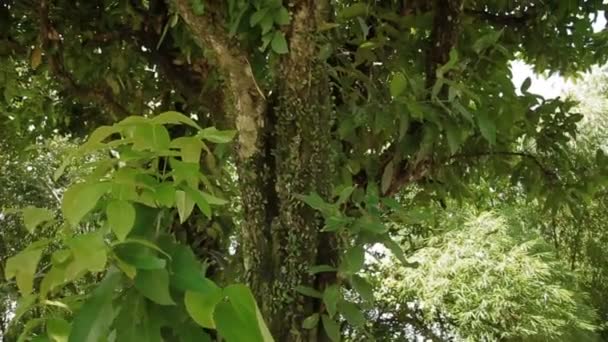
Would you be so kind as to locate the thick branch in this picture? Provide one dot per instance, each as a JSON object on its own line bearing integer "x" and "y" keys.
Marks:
{"x": 249, "y": 101}
{"x": 51, "y": 40}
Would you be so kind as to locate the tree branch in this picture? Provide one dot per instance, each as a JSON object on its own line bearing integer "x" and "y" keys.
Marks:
{"x": 51, "y": 43}
{"x": 249, "y": 102}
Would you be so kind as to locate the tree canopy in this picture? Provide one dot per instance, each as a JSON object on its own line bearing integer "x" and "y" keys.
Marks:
{"x": 229, "y": 170}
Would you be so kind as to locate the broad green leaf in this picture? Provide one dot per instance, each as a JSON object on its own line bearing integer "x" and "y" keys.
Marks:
{"x": 154, "y": 285}
{"x": 398, "y": 84}
{"x": 354, "y": 259}
{"x": 190, "y": 148}
{"x": 121, "y": 217}
{"x": 215, "y": 136}
{"x": 201, "y": 306}
{"x": 172, "y": 117}
{"x": 81, "y": 198}
{"x": 331, "y": 327}
{"x": 227, "y": 318}
{"x": 139, "y": 256}
{"x": 453, "y": 134}
{"x": 200, "y": 200}
{"x": 352, "y": 313}
{"x": 188, "y": 272}
{"x": 309, "y": 291}
{"x": 92, "y": 322}
{"x": 278, "y": 43}
{"x": 150, "y": 137}
{"x": 257, "y": 16}
{"x": 242, "y": 301}
{"x": 311, "y": 321}
{"x": 89, "y": 251}
{"x": 184, "y": 205}
{"x": 345, "y": 194}
{"x": 23, "y": 267}
{"x": 213, "y": 200}
{"x": 33, "y": 217}
{"x": 395, "y": 249}
{"x": 331, "y": 297}
{"x": 487, "y": 127}
{"x": 58, "y": 329}
{"x": 139, "y": 319}
{"x": 164, "y": 194}
{"x": 281, "y": 16}
{"x": 363, "y": 287}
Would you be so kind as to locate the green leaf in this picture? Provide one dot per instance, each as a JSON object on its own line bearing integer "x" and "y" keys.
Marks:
{"x": 314, "y": 201}
{"x": 121, "y": 217}
{"x": 354, "y": 259}
{"x": 345, "y": 194}
{"x": 278, "y": 43}
{"x": 184, "y": 205}
{"x": 188, "y": 272}
{"x": 136, "y": 321}
{"x": 172, "y": 117}
{"x": 387, "y": 177}
{"x": 398, "y": 84}
{"x": 281, "y": 16}
{"x": 352, "y": 313}
{"x": 331, "y": 297}
{"x": 487, "y": 127}
{"x": 258, "y": 16}
{"x": 453, "y": 135}
{"x": 242, "y": 300}
{"x": 311, "y": 321}
{"x": 321, "y": 268}
{"x": 33, "y": 217}
{"x": 200, "y": 200}
{"x": 164, "y": 194}
{"x": 23, "y": 267}
{"x": 190, "y": 147}
{"x": 363, "y": 287}
{"x": 201, "y": 306}
{"x": 92, "y": 322}
{"x": 309, "y": 291}
{"x": 395, "y": 249}
{"x": 216, "y": 136}
{"x": 355, "y": 10}
{"x": 81, "y": 198}
{"x": 154, "y": 285}
{"x": 213, "y": 200}
{"x": 331, "y": 327}
{"x": 58, "y": 330}
{"x": 89, "y": 251}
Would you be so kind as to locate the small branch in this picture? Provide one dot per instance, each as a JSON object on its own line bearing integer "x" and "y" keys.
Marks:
{"x": 51, "y": 40}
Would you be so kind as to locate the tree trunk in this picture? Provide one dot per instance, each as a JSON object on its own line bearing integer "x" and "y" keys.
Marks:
{"x": 283, "y": 151}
